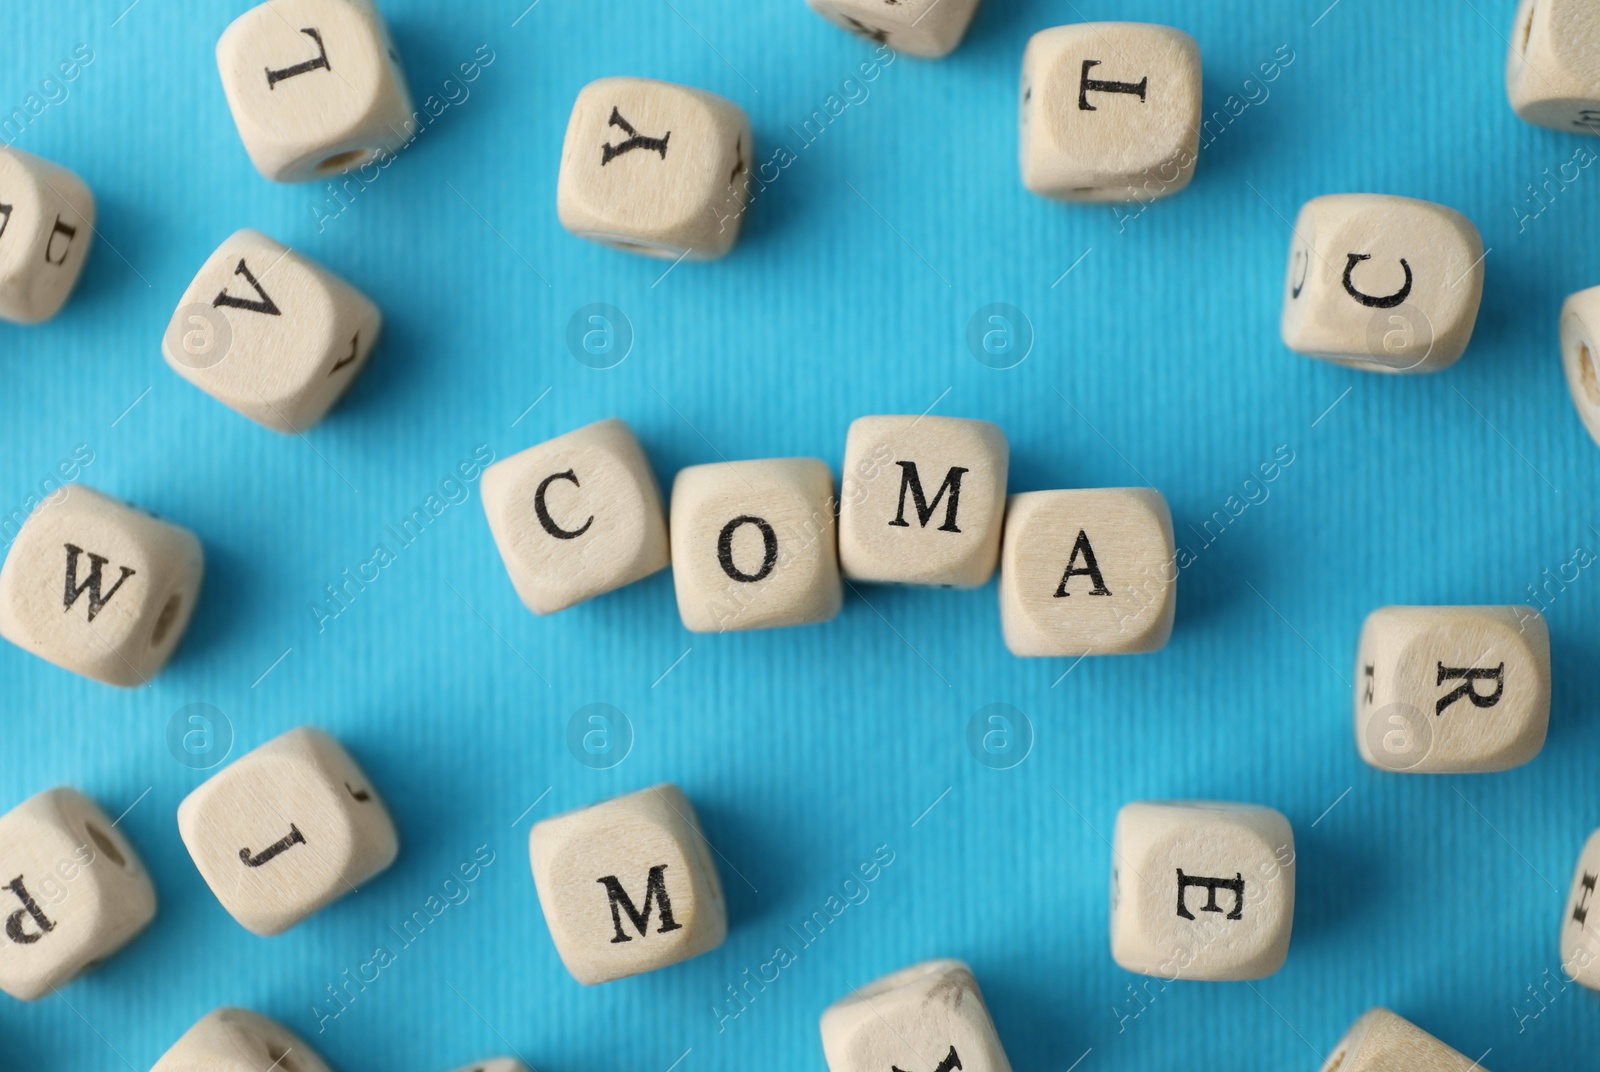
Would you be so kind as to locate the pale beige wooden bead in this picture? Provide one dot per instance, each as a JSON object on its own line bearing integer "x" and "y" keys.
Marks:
{"x": 1580, "y": 926}
{"x": 315, "y": 87}
{"x": 754, "y": 545}
{"x": 1110, "y": 111}
{"x": 237, "y": 1040}
{"x": 270, "y": 334}
{"x": 1201, "y": 890}
{"x": 926, "y": 28}
{"x": 287, "y": 829}
{"x": 628, "y": 885}
{"x": 1381, "y": 283}
{"x": 1553, "y": 69}
{"x": 495, "y": 1064}
{"x": 46, "y": 227}
{"x": 1382, "y": 1042}
{"x": 893, "y": 464}
{"x": 929, "y": 1017}
{"x": 1452, "y": 690}
{"x": 99, "y": 587}
{"x": 75, "y": 892}
{"x": 1580, "y": 316}
{"x": 576, "y": 516}
{"x": 655, "y": 168}
{"x": 1089, "y": 572}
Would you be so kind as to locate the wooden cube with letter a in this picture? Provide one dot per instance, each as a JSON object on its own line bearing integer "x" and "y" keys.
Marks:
{"x": 628, "y": 885}
{"x": 238, "y": 1040}
{"x": 1382, "y": 1042}
{"x": 1088, "y": 572}
{"x": 929, "y": 1017}
{"x": 1580, "y": 927}
{"x": 46, "y": 225}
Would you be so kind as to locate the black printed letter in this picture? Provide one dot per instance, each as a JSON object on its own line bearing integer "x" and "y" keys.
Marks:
{"x": 543, "y": 512}
{"x": 1387, "y": 302}
{"x": 655, "y": 890}
{"x": 66, "y": 230}
{"x": 265, "y": 305}
{"x": 92, "y": 585}
{"x": 15, "y": 924}
{"x": 1089, "y": 569}
{"x": 1090, "y": 85}
{"x": 1211, "y": 886}
{"x": 320, "y": 63}
{"x": 909, "y": 478}
{"x": 1467, "y": 675}
{"x": 769, "y": 555}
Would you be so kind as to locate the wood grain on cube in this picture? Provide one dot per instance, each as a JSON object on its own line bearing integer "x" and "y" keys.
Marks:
{"x": 1201, "y": 890}
{"x": 1580, "y": 349}
{"x": 315, "y": 87}
{"x": 925, "y": 28}
{"x": 628, "y": 885}
{"x": 1381, "y": 283}
{"x": 929, "y": 1017}
{"x": 1110, "y": 111}
{"x": 237, "y": 1040}
{"x": 1580, "y": 926}
{"x": 270, "y": 334}
{"x": 74, "y": 892}
{"x": 1452, "y": 690}
{"x": 576, "y": 516}
{"x": 46, "y": 227}
{"x": 287, "y": 829}
{"x": 1553, "y": 69}
{"x": 656, "y": 168}
{"x": 1382, "y": 1042}
{"x": 754, "y": 545}
{"x": 1088, "y": 572}
{"x": 99, "y": 587}
{"x": 922, "y": 500}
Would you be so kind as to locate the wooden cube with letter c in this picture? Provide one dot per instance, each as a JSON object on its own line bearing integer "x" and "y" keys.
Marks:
{"x": 929, "y": 1017}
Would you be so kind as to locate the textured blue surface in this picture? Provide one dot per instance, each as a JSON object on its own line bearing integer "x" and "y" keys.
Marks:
{"x": 1157, "y": 360}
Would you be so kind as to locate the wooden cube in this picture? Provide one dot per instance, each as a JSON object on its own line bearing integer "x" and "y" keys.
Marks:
{"x": 315, "y": 87}
{"x": 926, "y": 28}
{"x": 286, "y": 830}
{"x": 1201, "y": 890}
{"x": 754, "y": 546}
{"x": 1088, "y": 572}
{"x": 1380, "y": 283}
{"x": 1382, "y": 1042}
{"x": 1110, "y": 111}
{"x": 495, "y": 1064}
{"x": 1580, "y": 927}
{"x": 1553, "y": 70}
{"x": 99, "y": 587}
{"x": 270, "y": 334}
{"x": 576, "y": 516}
{"x": 655, "y": 168}
{"x": 628, "y": 885}
{"x": 1579, "y": 345}
{"x": 46, "y": 227}
{"x": 237, "y": 1040}
{"x": 929, "y": 1017}
{"x": 922, "y": 500}
{"x": 1452, "y": 690}
{"x": 75, "y": 892}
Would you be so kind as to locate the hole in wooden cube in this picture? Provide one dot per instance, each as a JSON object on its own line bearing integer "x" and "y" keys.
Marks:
{"x": 922, "y": 500}
{"x": 287, "y": 829}
{"x": 314, "y": 87}
{"x": 926, "y": 28}
{"x": 656, "y": 168}
{"x": 1381, "y": 283}
{"x": 1580, "y": 927}
{"x": 74, "y": 892}
{"x": 1088, "y": 572}
{"x": 628, "y": 885}
{"x": 1110, "y": 111}
{"x": 237, "y": 1040}
{"x": 1553, "y": 70}
{"x": 929, "y": 1017}
{"x": 87, "y": 583}
{"x": 1452, "y": 690}
{"x": 1578, "y": 343}
{"x": 576, "y": 516}
{"x": 46, "y": 225}
{"x": 1382, "y": 1042}
{"x": 270, "y": 334}
{"x": 1201, "y": 890}
{"x": 753, "y": 545}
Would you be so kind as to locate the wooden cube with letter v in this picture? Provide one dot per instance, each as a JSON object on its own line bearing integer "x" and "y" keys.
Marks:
{"x": 929, "y": 1017}
{"x": 628, "y": 885}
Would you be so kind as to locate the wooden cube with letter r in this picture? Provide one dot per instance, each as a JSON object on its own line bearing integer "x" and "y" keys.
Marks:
{"x": 627, "y": 885}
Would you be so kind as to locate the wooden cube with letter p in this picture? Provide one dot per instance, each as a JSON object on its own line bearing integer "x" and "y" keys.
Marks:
{"x": 628, "y": 885}
{"x": 46, "y": 224}
{"x": 929, "y": 1017}
{"x": 1380, "y": 1041}
{"x": 238, "y": 1040}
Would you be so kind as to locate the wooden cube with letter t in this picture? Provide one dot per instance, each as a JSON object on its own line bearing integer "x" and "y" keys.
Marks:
{"x": 929, "y": 1017}
{"x": 627, "y": 885}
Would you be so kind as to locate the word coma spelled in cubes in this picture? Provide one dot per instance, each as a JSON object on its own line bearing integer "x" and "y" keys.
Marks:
{"x": 929, "y": 1017}
{"x": 1382, "y": 1042}
{"x": 1580, "y": 315}
{"x": 628, "y": 885}
{"x": 1452, "y": 690}
{"x": 1201, "y": 890}
{"x": 576, "y": 516}
{"x": 753, "y": 545}
{"x": 1381, "y": 283}
{"x": 1088, "y": 572}
{"x": 287, "y": 829}
{"x": 99, "y": 587}
{"x": 1110, "y": 111}
{"x": 926, "y": 28}
{"x": 270, "y": 334}
{"x": 237, "y": 1040}
{"x": 1580, "y": 927}
{"x": 46, "y": 224}
{"x": 655, "y": 168}
{"x": 1553, "y": 70}
{"x": 75, "y": 892}
{"x": 315, "y": 87}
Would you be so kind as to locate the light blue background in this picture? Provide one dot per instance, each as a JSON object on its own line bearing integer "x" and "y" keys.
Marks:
{"x": 1157, "y": 359}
